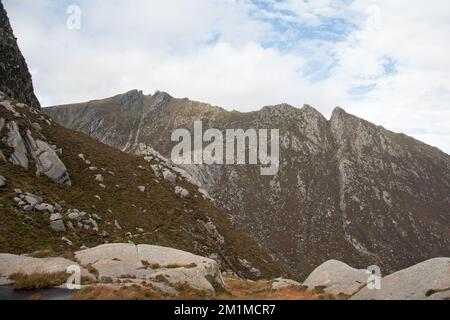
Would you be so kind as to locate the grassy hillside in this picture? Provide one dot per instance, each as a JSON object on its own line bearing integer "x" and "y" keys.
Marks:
{"x": 156, "y": 216}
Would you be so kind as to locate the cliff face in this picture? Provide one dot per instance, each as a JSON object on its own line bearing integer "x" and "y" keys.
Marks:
{"x": 15, "y": 79}
{"x": 346, "y": 189}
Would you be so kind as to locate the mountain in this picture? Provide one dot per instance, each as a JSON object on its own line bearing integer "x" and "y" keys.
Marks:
{"x": 15, "y": 80}
{"x": 61, "y": 190}
{"x": 346, "y": 189}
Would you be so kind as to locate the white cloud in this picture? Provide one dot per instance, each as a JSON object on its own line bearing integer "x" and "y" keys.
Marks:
{"x": 243, "y": 56}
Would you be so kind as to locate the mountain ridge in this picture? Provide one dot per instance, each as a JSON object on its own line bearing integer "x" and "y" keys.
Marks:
{"x": 344, "y": 189}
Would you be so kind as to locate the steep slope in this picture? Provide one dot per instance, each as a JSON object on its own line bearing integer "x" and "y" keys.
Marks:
{"x": 15, "y": 80}
{"x": 346, "y": 189}
{"x": 61, "y": 190}
{"x": 102, "y": 195}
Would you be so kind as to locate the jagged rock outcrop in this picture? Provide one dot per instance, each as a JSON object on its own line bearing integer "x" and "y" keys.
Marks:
{"x": 47, "y": 161}
{"x": 20, "y": 143}
{"x": 346, "y": 189}
{"x": 15, "y": 79}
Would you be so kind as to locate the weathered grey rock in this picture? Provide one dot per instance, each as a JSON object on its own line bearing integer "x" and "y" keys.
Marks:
{"x": 58, "y": 226}
{"x": 32, "y": 199}
{"x": 44, "y": 207}
{"x": 74, "y": 216}
{"x": 147, "y": 262}
{"x": 10, "y": 264}
{"x": 415, "y": 283}
{"x": 182, "y": 192}
{"x": 99, "y": 178}
{"x": 55, "y": 217}
{"x": 337, "y": 277}
{"x": 3, "y": 181}
{"x": 15, "y": 141}
{"x": 169, "y": 176}
{"x": 47, "y": 161}
{"x": 141, "y": 188}
{"x": 282, "y": 283}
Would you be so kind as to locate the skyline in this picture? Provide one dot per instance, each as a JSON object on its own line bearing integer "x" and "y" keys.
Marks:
{"x": 385, "y": 62}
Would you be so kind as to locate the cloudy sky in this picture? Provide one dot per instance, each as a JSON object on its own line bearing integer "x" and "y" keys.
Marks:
{"x": 387, "y": 61}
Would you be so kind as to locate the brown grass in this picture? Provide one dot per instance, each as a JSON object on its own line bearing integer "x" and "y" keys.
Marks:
{"x": 235, "y": 289}
{"x": 38, "y": 280}
{"x": 164, "y": 210}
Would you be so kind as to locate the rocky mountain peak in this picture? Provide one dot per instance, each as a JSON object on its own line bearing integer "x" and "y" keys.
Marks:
{"x": 344, "y": 183}
{"x": 15, "y": 79}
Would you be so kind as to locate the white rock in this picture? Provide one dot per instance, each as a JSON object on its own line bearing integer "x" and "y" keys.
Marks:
{"x": 15, "y": 141}
{"x": 415, "y": 283}
{"x": 10, "y": 264}
{"x": 2, "y": 181}
{"x": 47, "y": 161}
{"x": 115, "y": 260}
{"x": 141, "y": 188}
{"x": 337, "y": 277}
{"x": 56, "y": 216}
{"x": 282, "y": 283}
{"x": 44, "y": 207}
{"x": 81, "y": 156}
{"x": 180, "y": 191}
{"x": 32, "y": 199}
{"x": 99, "y": 178}
{"x": 58, "y": 226}
{"x": 169, "y": 176}
{"x": 74, "y": 216}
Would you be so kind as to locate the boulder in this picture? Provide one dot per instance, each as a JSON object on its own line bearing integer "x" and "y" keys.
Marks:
{"x": 14, "y": 140}
{"x": 55, "y": 217}
{"x": 182, "y": 192}
{"x": 58, "y": 226}
{"x": 44, "y": 207}
{"x": 169, "y": 176}
{"x": 47, "y": 161}
{"x": 419, "y": 282}
{"x": 337, "y": 277}
{"x": 150, "y": 263}
{"x": 10, "y": 264}
{"x": 32, "y": 199}
{"x": 282, "y": 283}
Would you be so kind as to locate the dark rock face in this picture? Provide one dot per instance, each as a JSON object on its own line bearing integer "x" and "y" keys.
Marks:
{"x": 346, "y": 189}
{"x": 15, "y": 79}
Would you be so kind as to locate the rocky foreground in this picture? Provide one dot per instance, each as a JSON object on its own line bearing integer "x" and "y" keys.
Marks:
{"x": 155, "y": 272}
